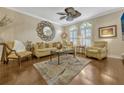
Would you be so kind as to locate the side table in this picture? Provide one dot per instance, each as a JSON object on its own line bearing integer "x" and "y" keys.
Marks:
{"x": 80, "y": 49}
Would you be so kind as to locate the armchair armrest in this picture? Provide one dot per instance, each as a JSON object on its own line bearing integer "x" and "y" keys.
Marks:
{"x": 11, "y": 51}
{"x": 100, "y": 50}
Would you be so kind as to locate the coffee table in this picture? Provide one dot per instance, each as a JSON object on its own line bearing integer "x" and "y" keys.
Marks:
{"x": 60, "y": 52}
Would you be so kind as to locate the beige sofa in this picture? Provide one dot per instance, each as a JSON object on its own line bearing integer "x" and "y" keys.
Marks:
{"x": 98, "y": 50}
{"x": 41, "y": 49}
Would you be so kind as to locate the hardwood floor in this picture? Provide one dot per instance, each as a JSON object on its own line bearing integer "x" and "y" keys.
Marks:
{"x": 107, "y": 71}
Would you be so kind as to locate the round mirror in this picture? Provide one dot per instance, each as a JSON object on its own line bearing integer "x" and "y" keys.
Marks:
{"x": 46, "y": 31}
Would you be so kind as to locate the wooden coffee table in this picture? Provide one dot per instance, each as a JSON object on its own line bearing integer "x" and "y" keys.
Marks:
{"x": 59, "y": 53}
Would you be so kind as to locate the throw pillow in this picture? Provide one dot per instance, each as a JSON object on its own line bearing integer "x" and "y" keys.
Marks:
{"x": 19, "y": 46}
{"x": 46, "y": 45}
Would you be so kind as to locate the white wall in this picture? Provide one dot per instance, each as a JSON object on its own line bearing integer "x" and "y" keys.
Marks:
{"x": 23, "y": 27}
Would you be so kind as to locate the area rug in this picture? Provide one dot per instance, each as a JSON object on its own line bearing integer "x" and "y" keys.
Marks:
{"x": 62, "y": 74}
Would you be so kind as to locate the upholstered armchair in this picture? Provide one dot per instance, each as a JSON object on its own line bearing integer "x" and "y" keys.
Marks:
{"x": 16, "y": 50}
{"x": 98, "y": 50}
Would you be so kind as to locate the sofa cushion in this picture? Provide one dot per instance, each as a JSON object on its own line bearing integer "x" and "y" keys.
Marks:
{"x": 50, "y": 45}
{"x": 46, "y": 45}
{"x": 55, "y": 44}
{"x": 40, "y": 45}
{"x": 46, "y": 49}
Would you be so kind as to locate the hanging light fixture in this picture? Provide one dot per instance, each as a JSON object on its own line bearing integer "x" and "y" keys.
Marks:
{"x": 4, "y": 21}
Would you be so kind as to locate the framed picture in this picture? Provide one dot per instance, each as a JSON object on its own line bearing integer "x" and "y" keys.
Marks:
{"x": 108, "y": 31}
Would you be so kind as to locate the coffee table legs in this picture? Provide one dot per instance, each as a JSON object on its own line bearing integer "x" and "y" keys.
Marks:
{"x": 58, "y": 58}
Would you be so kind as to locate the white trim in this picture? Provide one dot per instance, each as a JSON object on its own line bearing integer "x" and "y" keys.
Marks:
{"x": 32, "y": 15}
{"x": 115, "y": 56}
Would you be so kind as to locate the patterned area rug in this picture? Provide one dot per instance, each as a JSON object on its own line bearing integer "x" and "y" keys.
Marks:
{"x": 62, "y": 74}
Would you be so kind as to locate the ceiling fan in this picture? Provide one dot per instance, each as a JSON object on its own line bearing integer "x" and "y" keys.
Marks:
{"x": 70, "y": 14}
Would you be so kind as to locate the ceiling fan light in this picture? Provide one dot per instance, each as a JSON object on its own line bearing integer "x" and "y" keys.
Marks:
{"x": 69, "y": 19}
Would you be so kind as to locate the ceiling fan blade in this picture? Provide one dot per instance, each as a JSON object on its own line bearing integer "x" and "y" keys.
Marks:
{"x": 61, "y": 13}
{"x": 62, "y": 17}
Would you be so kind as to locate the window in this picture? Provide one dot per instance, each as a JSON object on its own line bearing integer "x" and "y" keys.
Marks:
{"x": 73, "y": 34}
{"x": 86, "y": 34}
{"x": 83, "y": 36}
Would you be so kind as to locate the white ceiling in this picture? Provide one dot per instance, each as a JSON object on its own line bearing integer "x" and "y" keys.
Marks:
{"x": 49, "y": 13}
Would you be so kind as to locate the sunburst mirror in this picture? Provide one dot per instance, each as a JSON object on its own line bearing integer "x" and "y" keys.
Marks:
{"x": 46, "y": 31}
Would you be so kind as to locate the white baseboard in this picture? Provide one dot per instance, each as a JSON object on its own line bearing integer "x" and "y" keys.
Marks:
{"x": 114, "y": 56}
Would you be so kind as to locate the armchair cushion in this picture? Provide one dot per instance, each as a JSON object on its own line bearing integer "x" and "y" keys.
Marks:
{"x": 93, "y": 50}
{"x": 21, "y": 54}
{"x": 46, "y": 49}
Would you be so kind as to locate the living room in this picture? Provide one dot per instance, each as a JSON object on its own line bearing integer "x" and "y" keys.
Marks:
{"x": 93, "y": 37}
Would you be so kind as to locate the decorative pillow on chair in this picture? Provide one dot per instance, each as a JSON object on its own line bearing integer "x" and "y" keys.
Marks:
{"x": 19, "y": 46}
